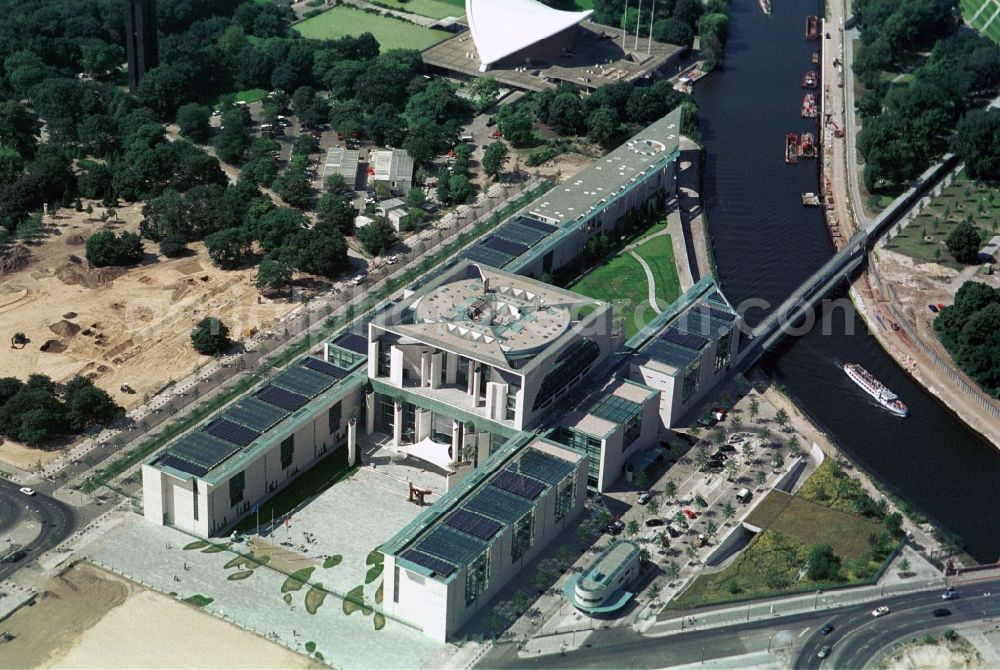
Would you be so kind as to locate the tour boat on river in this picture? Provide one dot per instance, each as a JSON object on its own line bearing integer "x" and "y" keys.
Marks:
{"x": 875, "y": 389}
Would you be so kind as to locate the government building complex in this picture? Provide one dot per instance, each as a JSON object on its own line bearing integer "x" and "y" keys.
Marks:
{"x": 523, "y": 393}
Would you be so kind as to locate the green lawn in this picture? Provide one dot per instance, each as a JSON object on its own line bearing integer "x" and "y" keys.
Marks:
{"x": 924, "y": 237}
{"x": 622, "y": 282}
{"x": 435, "y": 9}
{"x": 390, "y": 33}
{"x": 659, "y": 255}
{"x": 251, "y": 95}
{"x": 969, "y": 9}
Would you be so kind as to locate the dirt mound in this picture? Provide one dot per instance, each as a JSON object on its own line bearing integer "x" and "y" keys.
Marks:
{"x": 75, "y": 240}
{"x": 65, "y": 328}
{"x": 69, "y": 315}
{"x": 15, "y": 259}
{"x": 72, "y": 274}
{"x": 53, "y": 347}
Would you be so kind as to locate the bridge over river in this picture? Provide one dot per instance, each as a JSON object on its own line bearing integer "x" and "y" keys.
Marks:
{"x": 797, "y": 313}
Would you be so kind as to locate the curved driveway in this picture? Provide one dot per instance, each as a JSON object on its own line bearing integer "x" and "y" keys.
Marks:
{"x": 58, "y": 521}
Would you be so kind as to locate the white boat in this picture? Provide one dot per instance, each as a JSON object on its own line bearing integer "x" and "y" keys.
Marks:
{"x": 875, "y": 389}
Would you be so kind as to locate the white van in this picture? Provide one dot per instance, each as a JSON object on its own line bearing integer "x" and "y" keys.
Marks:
{"x": 743, "y": 496}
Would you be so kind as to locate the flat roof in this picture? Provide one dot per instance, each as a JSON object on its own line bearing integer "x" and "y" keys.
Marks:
{"x": 496, "y": 317}
{"x": 392, "y": 164}
{"x": 250, "y": 424}
{"x": 611, "y": 175}
{"x": 343, "y": 162}
{"x": 611, "y": 562}
{"x": 503, "y": 27}
{"x": 462, "y": 524}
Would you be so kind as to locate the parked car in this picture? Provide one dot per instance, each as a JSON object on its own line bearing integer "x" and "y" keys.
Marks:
{"x": 674, "y": 531}
{"x": 644, "y": 497}
{"x": 490, "y": 122}
{"x": 689, "y": 514}
{"x": 933, "y": 308}
{"x": 615, "y": 527}
{"x": 940, "y": 612}
{"x": 16, "y": 556}
{"x": 826, "y": 630}
{"x": 949, "y": 594}
{"x": 652, "y": 523}
{"x": 744, "y": 495}
{"x": 880, "y": 611}
{"x": 728, "y": 448}
{"x": 27, "y": 491}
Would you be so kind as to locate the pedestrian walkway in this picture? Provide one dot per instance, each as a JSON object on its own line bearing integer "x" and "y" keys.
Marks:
{"x": 650, "y": 280}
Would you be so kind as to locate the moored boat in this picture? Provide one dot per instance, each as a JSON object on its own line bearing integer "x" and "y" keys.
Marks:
{"x": 765, "y": 6}
{"x": 810, "y": 80}
{"x": 875, "y": 389}
{"x": 812, "y": 27}
{"x": 807, "y": 145}
{"x": 791, "y": 148}
{"x": 809, "y": 109}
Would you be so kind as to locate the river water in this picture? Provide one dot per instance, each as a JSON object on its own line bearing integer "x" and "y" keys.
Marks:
{"x": 766, "y": 243}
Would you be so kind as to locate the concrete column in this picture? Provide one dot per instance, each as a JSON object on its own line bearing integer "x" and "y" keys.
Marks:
{"x": 352, "y": 441}
{"x": 396, "y": 366}
{"x": 373, "y": 359}
{"x": 456, "y": 440}
{"x": 423, "y": 427}
{"x": 425, "y": 369}
{"x": 477, "y": 385}
{"x": 397, "y": 424}
{"x": 451, "y": 369}
{"x": 436, "y": 370}
{"x": 369, "y": 412}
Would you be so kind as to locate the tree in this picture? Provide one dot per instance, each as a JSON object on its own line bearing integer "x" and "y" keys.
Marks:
{"x": 566, "y": 113}
{"x": 654, "y": 507}
{"x": 516, "y": 124}
{"x": 210, "y": 337}
{"x": 377, "y": 237}
{"x": 641, "y": 479}
{"x": 232, "y": 140}
{"x": 964, "y": 242}
{"x": 731, "y": 469}
{"x": 294, "y": 188}
{"x": 106, "y": 248}
{"x": 701, "y": 458}
{"x": 904, "y": 565}
{"x": 542, "y": 577}
{"x": 18, "y": 129}
{"x": 672, "y": 570}
{"x": 824, "y": 565}
{"x": 278, "y": 225}
{"x": 794, "y": 446}
{"x": 670, "y": 488}
{"x": 495, "y": 158}
{"x": 603, "y": 126}
{"x": 754, "y": 408}
{"x": 192, "y": 119}
{"x": 86, "y": 404}
{"x": 334, "y": 210}
{"x": 711, "y": 528}
{"x": 781, "y": 418}
{"x": 274, "y": 272}
{"x": 777, "y": 461}
{"x": 759, "y": 478}
{"x": 632, "y": 527}
{"x": 673, "y": 31}
{"x": 173, "y": 245}
{"x": 747, "y": 450}
{"x": 728, "y": 511}
{"x": 975, "y": 143}
{"x": 484, "y": 91}
{"x": 227, "y": 248}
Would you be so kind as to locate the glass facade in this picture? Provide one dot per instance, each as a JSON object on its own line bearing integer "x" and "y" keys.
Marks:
{"x": 722, "y": 351}
{"x": 195, "y": 491}
{"x": 512, "y": 392}
{"x": 384, "y": 358}
{"x": 343, "y": 358}
{"x": 384, "y": 413}
{"x": 335, "y": 415}
{"x": 567, "y": 369}
{"x": 691, "y": 379}
{"x": 237, "y": 484}
{"x": 564, "y": 497}
{"x": 523, "y": 536}
{"x": 585, "y": 444}
{"x": 287, "y": 451}
{"x": 477, "y": 577}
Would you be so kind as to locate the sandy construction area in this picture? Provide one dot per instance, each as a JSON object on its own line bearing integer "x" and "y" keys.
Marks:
{"x": 87, "y": 618}
{"x": 119, "y": 325}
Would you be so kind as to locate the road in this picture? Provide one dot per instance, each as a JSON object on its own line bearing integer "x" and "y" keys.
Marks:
{"x": 857, "y": 636}
{"x": 58, "y": 522}
{"x": 851, "y": 129}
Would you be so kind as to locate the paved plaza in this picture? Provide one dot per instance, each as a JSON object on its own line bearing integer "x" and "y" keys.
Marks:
{"x": 332, "y": 537}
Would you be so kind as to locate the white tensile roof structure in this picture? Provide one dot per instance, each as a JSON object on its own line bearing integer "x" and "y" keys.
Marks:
{"x": 502, "y": 27}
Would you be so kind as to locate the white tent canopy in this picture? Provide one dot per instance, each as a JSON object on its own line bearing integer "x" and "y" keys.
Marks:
{"x": 430, "y": 451}
{"x": 502, "y": 27}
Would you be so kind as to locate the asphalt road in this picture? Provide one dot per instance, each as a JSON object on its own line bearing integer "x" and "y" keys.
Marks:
{"x": 58, "y": 521}
{"x": 856, "y": 637}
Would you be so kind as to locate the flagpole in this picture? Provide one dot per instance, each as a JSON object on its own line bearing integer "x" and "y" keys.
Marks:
{"x": 257, "y": 507}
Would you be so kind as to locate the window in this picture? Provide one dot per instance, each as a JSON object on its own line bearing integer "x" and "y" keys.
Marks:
{"x": 335, "y": 414}
{"x": 521, "y": 539}
{"x": 477, "y": 577}
{"x": 385, "y": 414}
{"x": 395, "y": 584}
{"x": 384, "y": 358}
{"x": 342, "y": 358}
{"x": 287, "y": 451}
{"x": 570, "y": 365}
{"x": 691, "y": 376}
{"x": 584, "y": 444}
{"x": 195, "y": 490}
{"x": 633, "y": 429}
{"x": 237, "y": 484}
{"x": 512, "y": 391}
{"x": 564, "y": 497}
{"x": 722, "y": 353}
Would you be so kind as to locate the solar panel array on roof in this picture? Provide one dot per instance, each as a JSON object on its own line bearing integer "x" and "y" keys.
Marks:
{"x": 254, "y": 414}
{"x": 547, "y": 468}
{"x": 670, "y": 353}
{"x": 496, "y": 504}
{"x": 232, "y": 432}
{"x": 450, "y": 545}
{"x": 328, "y": 369}
{"x": 474, "y": 524}
{"x": 302, "y": 380}
{"x": 203, "y": 449}
{"x": 520, "y": 234}
{"x": 435, "y": 565}
{"x": 615, "y": 408}
{"x": 168, "y": 460}
{"x": 480, "y": 254}
{"x": 716, "y": 313}
{"x": 536, "y": 224}
{"x": 689, "y": 340}
{"x": 353, "y": 342}
{"x": 505, "y": 246}
{"x": 518, "y": 484}
{"x": 281, "y": 398}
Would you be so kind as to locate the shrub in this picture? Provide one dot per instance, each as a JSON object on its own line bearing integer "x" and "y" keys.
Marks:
{"x": 210, "y": 336}
{"x": 106, "y": 248}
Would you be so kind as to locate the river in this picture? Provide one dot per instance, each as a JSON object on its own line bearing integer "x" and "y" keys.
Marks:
{"x": 766, "y": 243}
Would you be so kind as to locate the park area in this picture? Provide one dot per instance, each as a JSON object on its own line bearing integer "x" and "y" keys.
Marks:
{"x": 434, "y": 9}
{"x": 983, "y": 15}
{"x": 391, "y": 33}
{"x": 622, "y": 280}
{"x": 964, "y": 199}
{"x": 823, "y": 512}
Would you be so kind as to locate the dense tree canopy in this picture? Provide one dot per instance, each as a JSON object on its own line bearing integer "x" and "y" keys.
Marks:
{"x": 37, "y": 412}
{"x": 106, "y": 248}
{"x": 964, "y": 242}
{"x": 970, "y": 330}
{"x": 977, "y": 143}
{"x": 210, "y": 337}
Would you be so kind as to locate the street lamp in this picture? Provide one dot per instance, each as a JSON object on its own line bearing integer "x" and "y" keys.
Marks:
{"x": 769, "y": 638}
